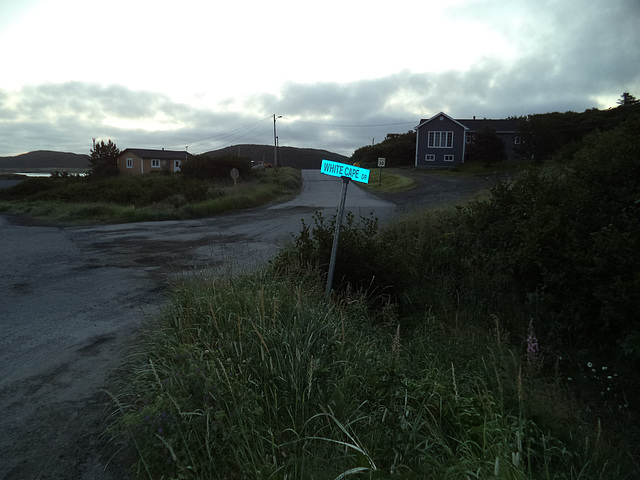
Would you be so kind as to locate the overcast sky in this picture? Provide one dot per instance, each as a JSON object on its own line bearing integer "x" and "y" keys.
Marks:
{"x": 207, "y": 74}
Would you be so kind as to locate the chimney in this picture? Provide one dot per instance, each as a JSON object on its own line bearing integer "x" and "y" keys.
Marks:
{"x": 474, "y": 117}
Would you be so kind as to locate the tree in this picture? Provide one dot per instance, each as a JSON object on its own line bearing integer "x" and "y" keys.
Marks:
{"x": 210, "y": 166}
{"x": 627, "y": 99}
{"x": 104, "y": 159}
{"x": 487, "y": 147}
{"x": 398, "y": 148}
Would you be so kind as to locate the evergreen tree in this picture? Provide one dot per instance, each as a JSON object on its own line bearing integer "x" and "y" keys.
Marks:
{"x": 398, "y": 148}
{"x": 487, "y": 147}
{"x": 104, "y": 159}
{"x": 627, "y": 99}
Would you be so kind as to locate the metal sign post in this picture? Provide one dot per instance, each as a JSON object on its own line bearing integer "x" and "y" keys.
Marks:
{"x": 336, "y": 237}
{"x": 381, "y": 163}
{"x": 346, "y": 172}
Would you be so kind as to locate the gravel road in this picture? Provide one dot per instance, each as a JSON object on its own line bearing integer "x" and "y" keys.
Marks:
{"x": 73, "y": 299}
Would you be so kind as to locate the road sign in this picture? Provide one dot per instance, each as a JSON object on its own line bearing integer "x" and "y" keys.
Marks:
{"x": 336, "y": 169}
{"x": 381, "y": 161}
{"x": 234, "y": 174}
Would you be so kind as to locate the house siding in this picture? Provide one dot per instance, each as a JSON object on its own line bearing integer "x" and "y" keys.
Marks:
{"x": 137, "y": 164}
{"x": 431, "y": 153}
{"x": 142, "y": 161}
{"x": 506, "y": 130}
{"x": 439, "y": 153}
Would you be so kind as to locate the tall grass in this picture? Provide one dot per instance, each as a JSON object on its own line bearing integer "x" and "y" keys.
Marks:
{"x": 256, "y": 377}
{"x": 143, "y": 198}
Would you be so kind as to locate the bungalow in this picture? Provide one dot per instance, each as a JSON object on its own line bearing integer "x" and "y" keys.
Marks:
{"x": 137, "y": 161}
{"x": 442, "y": 141}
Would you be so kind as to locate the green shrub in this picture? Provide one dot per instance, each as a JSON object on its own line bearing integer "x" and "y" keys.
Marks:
{"x": 356, "y": 255}
{"x": 569, "y": 234}
{"x": 558, "y": 244}
{"x": 209, "y": 166}
{"x": 29, "y": 186}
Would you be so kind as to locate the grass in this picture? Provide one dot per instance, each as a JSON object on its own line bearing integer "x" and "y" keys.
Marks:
{"x": 257, "y": 377}
{"x": 400, "y": 179}
{"x": 390, "y": 181}
{"x": 474, "y": 169}
{"x": 147, "y": 198}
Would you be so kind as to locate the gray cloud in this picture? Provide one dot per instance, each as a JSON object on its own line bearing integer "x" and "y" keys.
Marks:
{"x": 572, "y": 56}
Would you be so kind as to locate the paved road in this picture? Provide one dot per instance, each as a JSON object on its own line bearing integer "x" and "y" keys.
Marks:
{"x": 73, "y": 298}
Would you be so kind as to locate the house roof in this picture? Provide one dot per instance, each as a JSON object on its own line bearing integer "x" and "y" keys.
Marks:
{"x": 159, "y": 154}
{"x": 501, "y": 125}
{"x": 427, "y": 120}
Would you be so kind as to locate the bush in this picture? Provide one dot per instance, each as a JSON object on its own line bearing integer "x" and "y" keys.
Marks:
{"x": 138, "y": 191}
{"x": 569, "y": 234}
{"x": 209, "y": 166}
{"x": 29, "y": 186}
{"x": 355, "y": 267}
{"x": 559, "y": 243}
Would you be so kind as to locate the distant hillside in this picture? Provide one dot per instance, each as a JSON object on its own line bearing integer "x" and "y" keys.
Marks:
{"x": 44, "y": 160}
{"x": 301, "y": 158}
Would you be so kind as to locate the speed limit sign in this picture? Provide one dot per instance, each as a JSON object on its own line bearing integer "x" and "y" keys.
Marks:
{"x": 381, "y": 161}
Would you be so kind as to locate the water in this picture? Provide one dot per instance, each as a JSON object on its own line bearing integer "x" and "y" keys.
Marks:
{"x": 42, "y": 174}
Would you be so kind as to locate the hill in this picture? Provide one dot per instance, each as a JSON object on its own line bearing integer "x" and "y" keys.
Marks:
{"x": 546, "y": 134}
{"x": 45, "y": 160}
{"x": 300, "y": 158}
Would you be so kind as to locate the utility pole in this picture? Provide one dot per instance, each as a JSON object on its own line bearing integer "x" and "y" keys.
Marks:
{"x": 275, "y": 141}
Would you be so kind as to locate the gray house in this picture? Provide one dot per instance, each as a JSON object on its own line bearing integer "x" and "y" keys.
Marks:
{"x": 442, "y": 141}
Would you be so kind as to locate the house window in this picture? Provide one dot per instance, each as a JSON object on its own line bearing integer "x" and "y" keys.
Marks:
{"x": 448, "y": 158}
{"x": 516, "y": 140}
{"x": 129, "y": 162}
{"x": 430, "y": 157}
{"x": 176, "y": 165}
{"x": 440, "y": 139}
{"x": 155, "y": 163}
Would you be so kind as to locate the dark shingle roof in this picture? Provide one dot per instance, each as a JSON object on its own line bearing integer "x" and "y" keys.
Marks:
{"x": 501, "y": 125}
{"x": 159, "y": 154}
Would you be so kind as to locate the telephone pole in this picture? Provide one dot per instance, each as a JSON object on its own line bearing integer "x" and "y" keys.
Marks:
{"x": 275, "y": 141}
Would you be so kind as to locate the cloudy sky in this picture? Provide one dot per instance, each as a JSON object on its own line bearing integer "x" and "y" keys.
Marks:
{"x": 206, "y": 74}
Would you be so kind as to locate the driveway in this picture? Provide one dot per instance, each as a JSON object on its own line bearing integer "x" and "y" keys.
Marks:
{"x": 73, "y": 299}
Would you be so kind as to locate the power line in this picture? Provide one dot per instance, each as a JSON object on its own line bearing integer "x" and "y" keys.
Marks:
{"x": 250, "y": 128}
{"x": 413, "y": 122}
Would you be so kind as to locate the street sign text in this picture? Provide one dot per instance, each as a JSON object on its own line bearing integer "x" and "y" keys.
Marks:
{"x": 336, "y": 169}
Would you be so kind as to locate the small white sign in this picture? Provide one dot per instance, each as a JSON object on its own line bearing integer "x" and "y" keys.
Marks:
{"x": 381, "y": 161}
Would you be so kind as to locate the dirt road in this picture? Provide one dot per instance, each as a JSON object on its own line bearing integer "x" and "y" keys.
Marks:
{"x": 73, "y": 299}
